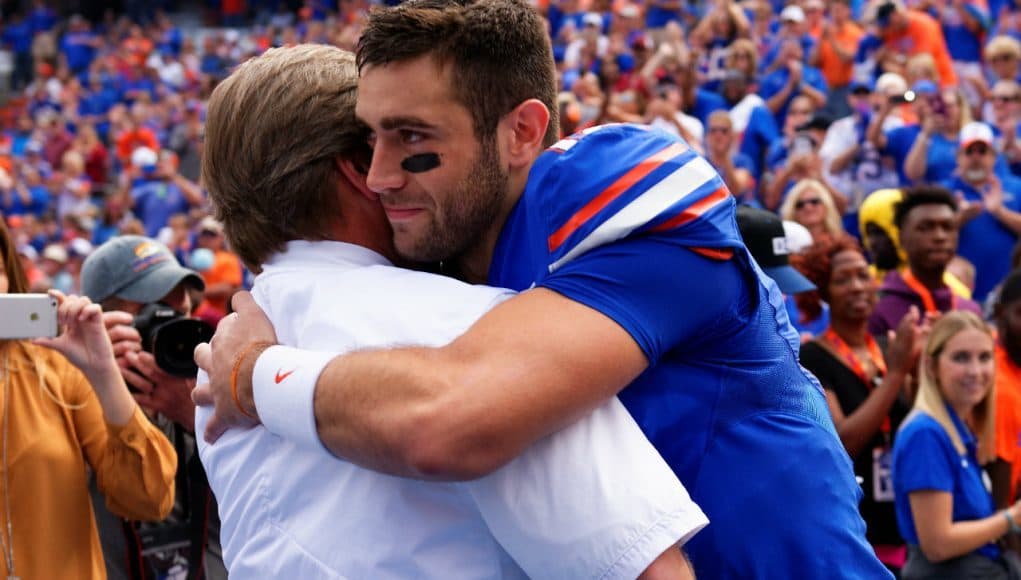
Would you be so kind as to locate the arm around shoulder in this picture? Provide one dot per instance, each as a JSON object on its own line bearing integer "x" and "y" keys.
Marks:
{"x": 532, "y": 365}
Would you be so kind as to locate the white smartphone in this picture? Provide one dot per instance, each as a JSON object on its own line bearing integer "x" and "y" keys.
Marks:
{"x": 28, "y": 316}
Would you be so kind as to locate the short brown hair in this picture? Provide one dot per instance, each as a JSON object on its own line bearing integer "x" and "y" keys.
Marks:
{"x": 17, "y": 282}
{"x": 499, "y": 49}
{"x": 274, "y": 130}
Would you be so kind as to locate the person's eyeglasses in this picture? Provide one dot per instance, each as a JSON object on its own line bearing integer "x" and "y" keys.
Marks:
{"x": 1004, "y": 98}
{"x": 802, "y": 203}
{"x": 978, "y": 149}
{"x": 800, "y": 112}
{"x": 1001, "y": 58}
{"x": 719, "y": 129}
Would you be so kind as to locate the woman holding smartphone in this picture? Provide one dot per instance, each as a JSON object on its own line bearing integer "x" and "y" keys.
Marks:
{"x": 944, "y": 511}
{"x": 65, "y": 409}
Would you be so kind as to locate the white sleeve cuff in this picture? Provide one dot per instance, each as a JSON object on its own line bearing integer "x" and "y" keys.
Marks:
{"x": 284, "y": 386}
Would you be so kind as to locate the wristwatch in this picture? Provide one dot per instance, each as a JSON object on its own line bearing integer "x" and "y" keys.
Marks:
{"x": 1012, "y": 525}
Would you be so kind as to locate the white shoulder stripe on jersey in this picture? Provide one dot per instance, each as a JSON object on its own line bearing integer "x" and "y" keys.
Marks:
{"x": 670, "y": 190}
{"x": 564, "y": 145}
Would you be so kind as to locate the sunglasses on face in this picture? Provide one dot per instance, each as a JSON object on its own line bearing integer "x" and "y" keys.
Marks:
{"x": 1004, "y": 98}
{"x": 977, "y": 150}
{"x": 803, "y": 203}
{"x": 719, "y": 129}
{"x": 1001, "y": 58}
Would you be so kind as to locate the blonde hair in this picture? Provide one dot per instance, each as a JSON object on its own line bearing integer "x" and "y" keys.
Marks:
{"x": 930, "y": 398}
{"x": 746, "y": 46}
{"x": 1002, "y": 45}
{"x": 833, "y": 224}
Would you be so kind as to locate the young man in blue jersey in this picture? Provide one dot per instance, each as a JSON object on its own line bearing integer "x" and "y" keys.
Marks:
{"x": 638, "y": 279}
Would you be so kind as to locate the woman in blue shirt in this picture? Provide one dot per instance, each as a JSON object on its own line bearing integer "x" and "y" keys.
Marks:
{"x": 944, "y": 509}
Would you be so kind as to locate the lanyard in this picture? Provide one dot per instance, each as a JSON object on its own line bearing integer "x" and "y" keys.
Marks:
{"x": 927, "y": 299}
{"x": 851, "y": 360}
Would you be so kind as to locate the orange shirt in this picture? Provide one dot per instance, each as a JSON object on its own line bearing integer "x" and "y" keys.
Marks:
{"x": 50, "y": 449}
{"x": 837, "y": 72}
{"x": 1008, "y": 415}
{"x": 128, "y": 141}
{"x": 924, "y": 35}
{"x": 226, "y": 268}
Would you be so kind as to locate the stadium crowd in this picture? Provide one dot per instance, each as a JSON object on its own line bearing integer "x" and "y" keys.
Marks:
{"x": 884, "y": 134}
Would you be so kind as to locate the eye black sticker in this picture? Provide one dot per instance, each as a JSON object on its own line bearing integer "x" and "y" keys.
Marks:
{"x": 421, "y": 163}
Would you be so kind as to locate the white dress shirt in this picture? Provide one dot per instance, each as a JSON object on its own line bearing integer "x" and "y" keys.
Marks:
{"x": 592, "y": 501}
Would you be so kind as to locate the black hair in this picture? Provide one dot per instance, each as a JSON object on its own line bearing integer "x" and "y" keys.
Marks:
{"x": 1010, "y": 292}
{"x": 922, "y": 195}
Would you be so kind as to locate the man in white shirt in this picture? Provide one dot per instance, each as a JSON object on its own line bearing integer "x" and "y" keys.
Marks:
{"x": 285, "y": 171}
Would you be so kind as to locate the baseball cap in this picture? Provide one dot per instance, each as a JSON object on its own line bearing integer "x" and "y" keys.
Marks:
{"x": 864, "y": 83}
{"x": 925, "y": 87}
{"x": 763, "y": 233}
{"x": 792, "y": 13}
{"x": 143, "y": 157}
{"x": 55, "y": 252}
{"x": 209, "y": 224}
{"x": 592, "y": 19}
{"x": 891, "y": 83}
{"x": 975, "y": 132}
{"x": 134, "y": 268}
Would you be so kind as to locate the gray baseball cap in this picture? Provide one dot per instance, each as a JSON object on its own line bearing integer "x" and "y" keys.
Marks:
{"x": 134, "y": 268}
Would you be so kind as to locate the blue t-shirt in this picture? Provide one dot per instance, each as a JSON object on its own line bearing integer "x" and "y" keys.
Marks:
{"x": 724, "y": 400}
{"x": 984, "y": 240}
{"x": 155, "y": 201}
{"x": 39, "y": 202}
{"x": 924, "y": 458}
{"x": 78, "y": 50}
{"x": 963, "y": 44}
{"x": 940, "y": 158}
{"x": 706, "y": 103}
{"x": 759, "y": 134}
{"x": 775, "y": 81}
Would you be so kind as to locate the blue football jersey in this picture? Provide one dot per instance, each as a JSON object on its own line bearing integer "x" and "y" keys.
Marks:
{"x": 631, "y": 222}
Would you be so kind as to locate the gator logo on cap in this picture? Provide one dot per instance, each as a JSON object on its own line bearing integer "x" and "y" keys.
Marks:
{"x": 147, "y": 254}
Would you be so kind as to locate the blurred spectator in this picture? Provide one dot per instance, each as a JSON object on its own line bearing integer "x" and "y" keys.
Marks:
{"x": 721, "y": 150}
{"x": 753, "y": 123}
{"x": 157, "y": 191}
{"x": 796, "y": 157}
{"x": 1003, "y": 54}
{"x": 792, "y": 78}
{"x": 810, "y": 204}
{"x": 927, "y": 220}
{"x": 989, "y": 210}
{"x": 852, "y": 163}
{"x": 944, "y": 510}
{"x": 1005, "y": 471}
{"x": 869, "y": 393}
{"x": 1002, "y": 114}
{"x": 834, "y": 54}
{"x": 223, "y": 278}
{"x": 905, "y": 33}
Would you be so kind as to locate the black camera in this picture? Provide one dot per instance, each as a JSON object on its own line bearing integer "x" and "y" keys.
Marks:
{"x": 171, "y": 338}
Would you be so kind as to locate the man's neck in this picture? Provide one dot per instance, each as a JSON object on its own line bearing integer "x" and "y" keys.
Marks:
{"x": 931, "y": 279}
{"x": 473, "y": 264}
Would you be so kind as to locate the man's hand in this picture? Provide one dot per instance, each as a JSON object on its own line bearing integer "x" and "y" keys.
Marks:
{"x": 156, "y": 390}
{"x": 234, "y": 335}
{"x": 992, "y": 195}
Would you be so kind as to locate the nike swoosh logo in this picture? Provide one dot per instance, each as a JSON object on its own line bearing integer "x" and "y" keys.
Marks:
{"x": 281, "y": 377}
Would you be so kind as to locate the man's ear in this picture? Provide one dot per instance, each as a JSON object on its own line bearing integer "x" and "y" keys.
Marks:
{"x": 525, "y": 130}
{"x": 355, "y": 174}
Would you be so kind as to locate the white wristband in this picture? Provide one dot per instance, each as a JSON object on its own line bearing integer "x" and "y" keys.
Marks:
{"x": 284, "y": 385}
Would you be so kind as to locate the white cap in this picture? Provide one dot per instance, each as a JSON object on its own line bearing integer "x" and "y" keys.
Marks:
{"x": 975, "y": 132}
{"x": 143, "y": 156}
{"x": 798, "y": 236}
{"x": 55, "y": 252}
{"x": 81, "y": 247}
{"x": 891, "y": 84}
{"x": 592, "y": 19}
{"x": 793, "y": 13}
